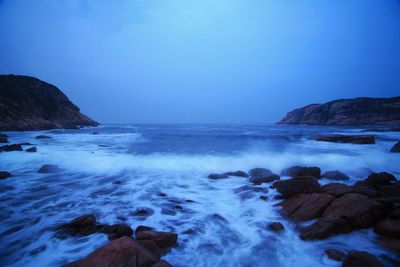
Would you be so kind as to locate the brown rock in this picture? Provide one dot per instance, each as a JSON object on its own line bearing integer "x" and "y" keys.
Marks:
{"x": 162, "y": 239}
{"x": 388, "y": 227}
{"x": 335, "y": 175}
{"x": 162, "y": 264}
{"x": 82, "y": 226}
{"x": 122, "y": 252}
{"x": 361, "y": 259}
{"x": 276, "y": 227}
{"x": 347, "y": 213}
{"x": 305, "y": 207}
{"x": 117, "y": 230}
{"x": 389, "y": 191}
{"x": 337, "y": 189}
{"x": 340, "y": 138}
{"x": 297, "y": 171}
{"x": 336, "y": 255}
{"x": 217, "y": 176}
{"x": 377, "y": 180}
{"x": 142, "y": 228}
{"x": 262, "y": 175}
{"x": 237, "y": 174}
{"x": 298, "y": 185}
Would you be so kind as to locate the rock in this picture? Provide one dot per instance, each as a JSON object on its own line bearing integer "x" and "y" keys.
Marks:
{"x": 298, "y": 185}
{"x": 276, "y": 227}
{"x": 361, "y": 259}
{"x": 43, "y": 137}
{"x": 394, "y": 149}
{"x": 142, "y": 228}
{"x": 349, "y": 212}
{"x": 356, "y": 111}
{"x": 151, "y": 246}
{"x": 382, "y": 130}
{"x": 388, "y": 227}
{"x": 81, "y": 226}
{"x": 297, "y": 171}
{"x": 122, "y": 252}
{"x": 264, "y": 197}
{"x": 376, "y": 180}
{"x": 117, "y": 230}
{"x": 27, "y": 103}
{"x": 143, "y": 212}
{"x": 340, "y": 138}
{"x": 164, "y": 240}
{"x": 389, "y": 191}
{"x": 335, "y": 175}
{"x": 336, "y": 255}
{"x": 162, "y": 264}
{"x": 262, "y": 175}
{"x": 49, "y": 168}
{"x": 216, "y": 176}
{"x": 9, "y": 148}
{"x": 237, "y": 174}
{"x": 3, "y": 138}
{"x": 337, "y": 189}
{"x": 305, "y": 207}
{"x": 31, "y": 149}
{"x": 4, "y": 175}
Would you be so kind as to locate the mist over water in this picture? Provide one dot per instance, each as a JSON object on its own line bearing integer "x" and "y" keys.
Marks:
{"x": 218, "y": 226}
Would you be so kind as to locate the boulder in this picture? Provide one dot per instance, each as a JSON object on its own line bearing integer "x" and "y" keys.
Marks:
{"x": 142, "y": 228}
{"x": 276, "y": 227}
{"x": 361, "y": 259}
{"x": 396, "y": 148}
{"x": 262, "y": 175}
{"x": 31, "y": 149}
{"x": 122, "y": 252}
{"x": 117, "y": 230}
{"x": 337, "y": 189}
{"x": 298, "y": 185}
{"x": 217, "y": 176}
{"x": 143, "y": 212}
{"x": 349, "y": 212}
{"x": 237, "y": 174}
{"x": 388, "y": 227}
{"x": 368, "y": 191}
{"x": 336, "y": 255}
{"x": 164, "y": 240}
{"x": 297, "y": 171}
{"x": 49, "y": 168}
{"x": 4, "y": 175}
{"x": 389, "y": 191}
{"x": 9, "y": 148}
{"x": 376, "y": 180}
{"x": 81, "y": 226}
{"x": 43, "y": 137}
{"x": 162, "y": 264}
{"x": 340, "y": 138}
{"x": 305, "y": 207}
{"x": 335, "y": 175}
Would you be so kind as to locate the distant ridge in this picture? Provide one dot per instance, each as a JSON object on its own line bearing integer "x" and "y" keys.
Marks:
{"x": 356, "y": 111}
{"x": 27, "y": 103}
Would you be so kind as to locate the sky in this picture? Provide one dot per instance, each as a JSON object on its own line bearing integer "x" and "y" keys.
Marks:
{"x": 205, "y": 61}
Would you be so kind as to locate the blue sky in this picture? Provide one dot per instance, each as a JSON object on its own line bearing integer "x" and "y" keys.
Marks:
{"x": 203, "y": 61}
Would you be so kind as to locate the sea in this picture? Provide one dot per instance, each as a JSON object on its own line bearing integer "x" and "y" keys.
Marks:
{"x": 157, "y": 175}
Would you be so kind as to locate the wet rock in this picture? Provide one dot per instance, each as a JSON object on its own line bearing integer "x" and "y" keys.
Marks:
{"x": 82, "y": 226}
{"x": 388, "y": 227}
{"x": 143, "y": 212}
{"x": 262, "y": 175}
{"x": 255, "y": 189}
{"x": 389, "y": 191}
{"x": 361, "y": 259}
{"x": 335, "y": 175}
{"x": 377, "y": 180}
{"x": 349, "y": 212}
{"x": 237, "y": 174}
{"x": 337, "y": 189}
{"x": 4, "y": 175}
{"x": 394, "y": 149}
{"x": 164, "y": 240}
{"x": 264, "y": 197}
{"x": 305, "y": 207}
{"x": 37, "y": 250}
{"x": 161, "y": 194}
{"x": 122, "y": 252}
{"x": 162, "y": 264}
{"x": 117, "y": 230}
{"x": 336, "y": 255}
{"x": 298, "y": 185}
{"x": 276, "y": 227}
{"x": 217, "y": 176}
{"x": 49, "y": 168}
{"x": 43, "y": 137}
{"x": 9, "y": 148}
{"x": 297, "y": 171}
{"x": 340, "y": 138}
{"x": 394, "y": 214}
{"x": 31, "y": 149}
{"x": 364, "y": 190}
{"x": 142, "y": 228}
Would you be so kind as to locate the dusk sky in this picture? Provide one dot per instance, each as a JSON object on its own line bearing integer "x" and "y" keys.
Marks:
{"x": 230, "y": 61}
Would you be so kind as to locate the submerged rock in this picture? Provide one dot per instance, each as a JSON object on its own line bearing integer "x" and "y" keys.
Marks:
{"x": 31, "y": 149}
{"x": 237, "y": 174}
{"x": 49, "y": 168}
{"x": 217, "y": 176}
{"x": 298, "y": 185}
{"x": 335, "y": 175}
{"x": 395, "y": 148}
{"x": 9, "y": 148}
{"x": 82, "y": 226}
{"x": 336, "y": 255}
{"x": 43, "y": 137}
{"x": 4, "y": 175}
{"x": 261, "y": 175}
{"x": 117, "y": 230}
{"x": 361, "y": 259}
{"x": 276, "y": 227}
{"x": 122, "y": 252}
{"x": 297, "y": 171}
{"x": 340, "y": 138}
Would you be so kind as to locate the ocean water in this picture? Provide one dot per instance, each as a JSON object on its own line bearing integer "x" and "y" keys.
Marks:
{"x": 216, "y": 227}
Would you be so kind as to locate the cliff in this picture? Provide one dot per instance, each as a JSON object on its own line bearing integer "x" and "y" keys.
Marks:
{"x": 27, "y": 103}
{"x": 357, "y": 111}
